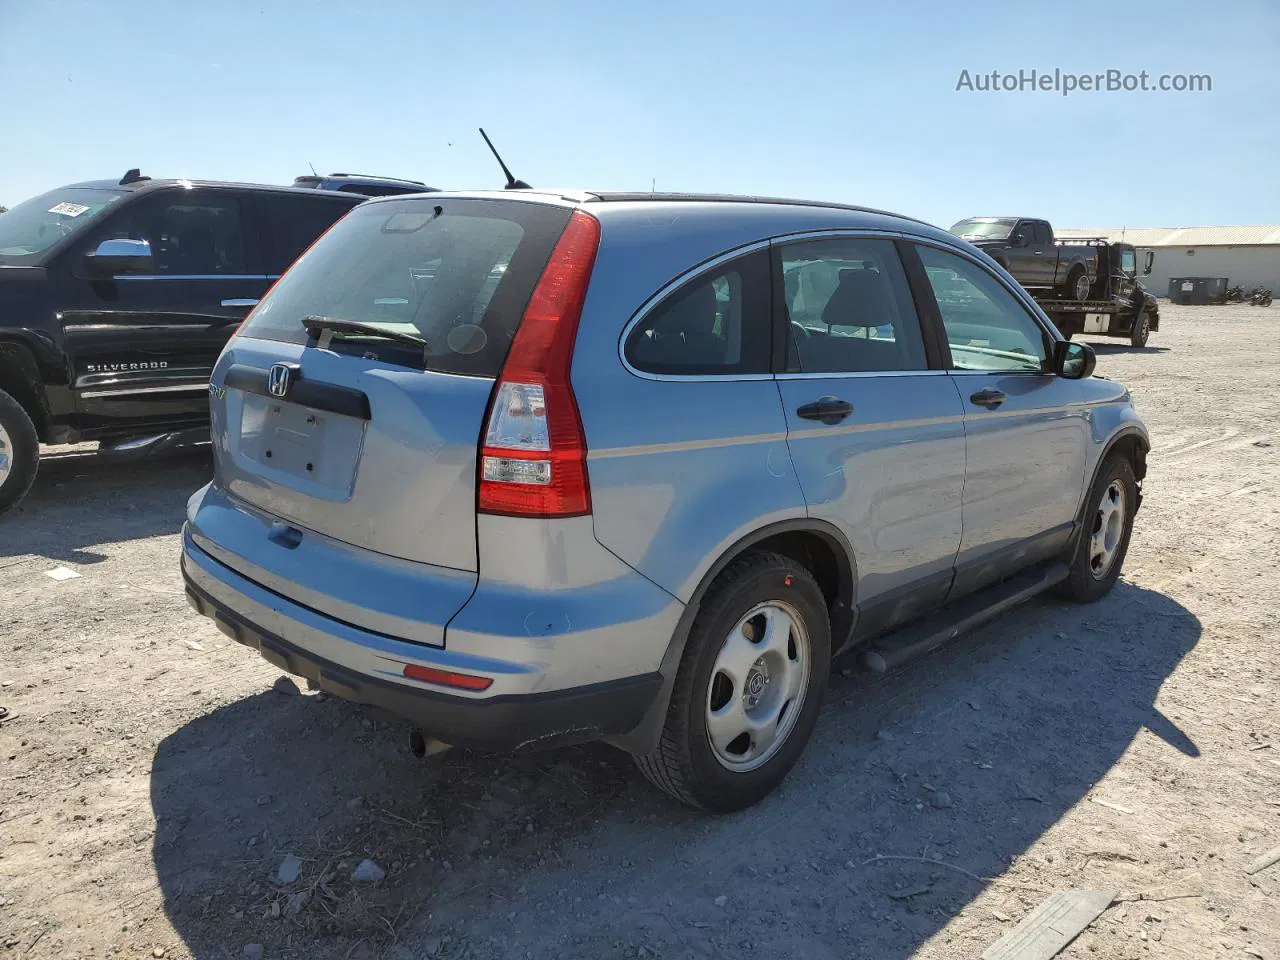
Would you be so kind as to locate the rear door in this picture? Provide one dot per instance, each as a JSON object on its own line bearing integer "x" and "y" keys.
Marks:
{"x": 1027, "y": 435}
{"x": 291, "y": 222}
{"x": 876, "y": 435}
{"x": 368, "y": 441}
{"x": 142, "y": 345}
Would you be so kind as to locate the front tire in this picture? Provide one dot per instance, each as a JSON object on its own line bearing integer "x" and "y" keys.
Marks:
{"x": 19, "y": 452}
{"x": 749, "y": 687}
{"x": 1141, "y": 329}
{"x": 1104, "y": 541}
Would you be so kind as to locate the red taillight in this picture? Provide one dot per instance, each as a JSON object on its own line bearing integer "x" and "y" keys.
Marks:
{"x": 533, "y": 461}
{"x": 447, "y": 678}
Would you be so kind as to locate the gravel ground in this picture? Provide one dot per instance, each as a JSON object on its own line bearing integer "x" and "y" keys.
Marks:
{"x": 156, "y": 775}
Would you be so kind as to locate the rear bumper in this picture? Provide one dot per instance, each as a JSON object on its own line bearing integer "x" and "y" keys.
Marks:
{"x": 500, "y": 722}
{"x": 365, "y": 667}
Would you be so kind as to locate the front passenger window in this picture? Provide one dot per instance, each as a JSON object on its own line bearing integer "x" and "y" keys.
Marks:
{"x": 986, "y": 327}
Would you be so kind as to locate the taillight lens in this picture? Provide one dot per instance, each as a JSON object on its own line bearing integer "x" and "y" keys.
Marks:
{"x": 534, "y": 459}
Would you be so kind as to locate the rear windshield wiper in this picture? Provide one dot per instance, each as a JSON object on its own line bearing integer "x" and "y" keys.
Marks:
{"x": 319, "y": 325}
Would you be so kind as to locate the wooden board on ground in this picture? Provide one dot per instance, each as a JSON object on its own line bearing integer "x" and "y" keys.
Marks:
{"x": 1051, "y": 926}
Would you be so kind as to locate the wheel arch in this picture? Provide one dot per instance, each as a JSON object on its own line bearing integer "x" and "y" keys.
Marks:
{"x": 1134, "y": 444}
{"x": 20, "y": 378}
{"x": 816, "y": 544}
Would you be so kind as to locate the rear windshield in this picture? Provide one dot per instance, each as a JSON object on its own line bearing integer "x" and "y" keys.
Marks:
{"x": 984, "y": 229}
{"x": 457, "y": 273}
{"x": 31, "y": 228}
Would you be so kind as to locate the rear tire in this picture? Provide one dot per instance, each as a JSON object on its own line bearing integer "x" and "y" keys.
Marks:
{"x": 1078, "y": 284}
{"x": 757, "y": 658}
{"x": 1141, "y": 329}
{"x": 19, "y": 452}
{"x": 1104, "y": 541}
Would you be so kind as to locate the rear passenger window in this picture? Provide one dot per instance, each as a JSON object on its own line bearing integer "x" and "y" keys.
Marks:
{"x": 849, "y": 307}
{"x": 295, "y": 222}
{"x": 717, "y": 324}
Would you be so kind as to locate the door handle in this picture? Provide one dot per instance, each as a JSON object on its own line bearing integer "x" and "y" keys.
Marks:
{"x": 988, "y": 398}
{"x": 241, "y": 302}
{"x": 827, "y": 409}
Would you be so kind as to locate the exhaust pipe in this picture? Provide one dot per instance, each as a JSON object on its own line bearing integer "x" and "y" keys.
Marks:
{"x": 421, "y": 746}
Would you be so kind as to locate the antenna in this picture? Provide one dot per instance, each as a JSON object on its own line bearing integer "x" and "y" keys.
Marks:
{"x": 512, "y": 182}
{"x": 313, "y": 168}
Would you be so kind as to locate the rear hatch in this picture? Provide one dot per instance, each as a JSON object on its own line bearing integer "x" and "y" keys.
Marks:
{"x": 354, "y": 397}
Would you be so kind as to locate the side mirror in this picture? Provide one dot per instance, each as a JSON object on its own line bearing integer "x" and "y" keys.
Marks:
{"x": 1072, "y": 360}
{"x": 1018, "y": 240}
{"x": 120, "y": 256}
{"x": 1151, "y": 258}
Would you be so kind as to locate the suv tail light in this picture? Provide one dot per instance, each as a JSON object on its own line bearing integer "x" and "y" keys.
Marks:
{"x": 533, "y": 462}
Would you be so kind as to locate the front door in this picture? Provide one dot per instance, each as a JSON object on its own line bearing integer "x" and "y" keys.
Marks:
{"x": 142, "y": 344}
{"x": 1023, "y": 262}
{"x": 1026, "y": 440}
{"x": 876, "y": 436}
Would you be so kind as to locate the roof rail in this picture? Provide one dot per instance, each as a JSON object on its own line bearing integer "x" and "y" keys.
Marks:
{"x": 375, "y": 176}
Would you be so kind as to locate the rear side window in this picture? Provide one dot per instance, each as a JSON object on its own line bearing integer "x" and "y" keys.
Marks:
{"x": 850, "y": 308}
{"x": 1043, "y": 234}
{"x": 295, "y": 222}
{"x": 715, "y": 325}
{"x": 455, "y": 272}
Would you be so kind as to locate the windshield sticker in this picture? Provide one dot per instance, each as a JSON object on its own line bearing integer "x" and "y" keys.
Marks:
{"x": 68, "y": 209}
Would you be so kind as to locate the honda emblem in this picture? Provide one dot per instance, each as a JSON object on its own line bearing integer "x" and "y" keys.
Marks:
{"x": 278, "y": 379}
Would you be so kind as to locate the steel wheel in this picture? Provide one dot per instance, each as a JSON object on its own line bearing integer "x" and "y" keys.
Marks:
{"x": 1108, "y": 530}
{"x": 6, "y": 455}
{"x": 1081, "y": 290}
{"x": 758, "y": 686}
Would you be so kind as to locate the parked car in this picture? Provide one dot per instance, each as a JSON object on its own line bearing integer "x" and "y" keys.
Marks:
{"x": 116, "y": 298}
{"x": 1028, "y": 249}
{"x": 624, "y": 492}
{"x": 363, "y": 184}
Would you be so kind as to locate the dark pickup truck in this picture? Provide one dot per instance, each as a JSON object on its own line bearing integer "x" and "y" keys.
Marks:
{"x": 116, "y": 298}
{"x": 1027, "y": 249}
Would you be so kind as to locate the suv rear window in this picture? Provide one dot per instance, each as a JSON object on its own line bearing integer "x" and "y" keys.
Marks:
{"x": 456, "y": 272}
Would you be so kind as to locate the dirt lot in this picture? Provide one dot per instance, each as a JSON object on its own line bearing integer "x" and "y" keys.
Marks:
{"x": 155, "y": 776}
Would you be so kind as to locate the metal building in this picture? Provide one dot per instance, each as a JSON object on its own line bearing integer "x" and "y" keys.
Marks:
{"x": 1248, "y": 256}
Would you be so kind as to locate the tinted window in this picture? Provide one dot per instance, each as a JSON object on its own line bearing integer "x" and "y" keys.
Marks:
{"x": 1022, "y": 235}
{"x": 717, "y": 323}
{"x": 190, "y": 235}
{"x": 1042, "y": 233}
{"x": 457, "y": 273}
{"x": 295, "y": 222}
{"x": 849, "y": 307}
{"x": 986, "y": 327}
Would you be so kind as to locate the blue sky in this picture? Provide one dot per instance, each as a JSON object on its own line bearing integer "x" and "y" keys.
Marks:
{"x": 813, "y": 99}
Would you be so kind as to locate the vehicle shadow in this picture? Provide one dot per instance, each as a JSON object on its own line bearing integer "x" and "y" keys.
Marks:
{"x": 80, "y": 500}
{"x": 966, "y": 757}
{"x": 1101, "y": 347}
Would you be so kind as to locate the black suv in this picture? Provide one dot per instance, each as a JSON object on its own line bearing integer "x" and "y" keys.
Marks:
{"x": 117, "y": 297}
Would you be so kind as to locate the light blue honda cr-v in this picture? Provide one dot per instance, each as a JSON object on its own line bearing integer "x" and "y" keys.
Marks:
{"x": 535, "y": 467}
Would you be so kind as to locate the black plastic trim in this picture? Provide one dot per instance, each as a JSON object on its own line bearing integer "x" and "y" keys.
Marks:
{"x": 330, "y": 397}
{"x": 505, "y": 722}
{"x": 936, "y": 348}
